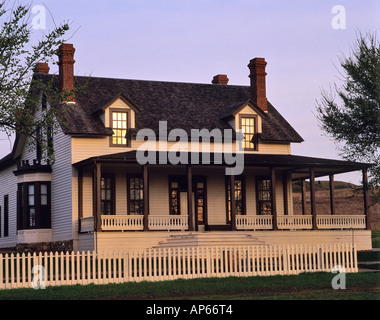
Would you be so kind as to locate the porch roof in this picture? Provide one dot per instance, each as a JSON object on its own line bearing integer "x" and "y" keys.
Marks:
{"x": 298, "y": 165}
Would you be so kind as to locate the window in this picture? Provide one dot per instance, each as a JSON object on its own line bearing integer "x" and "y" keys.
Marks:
{"x": 50, "y": 145}
{"x": 38, "y": 142}
{"x": 174, "y": 200}
{"x": 135, "y": 187}
{"x": 43, "y": 102}
{"x": 264, "y": 196}
{"x": 106, "y": 195}
{"x": 200, "y": 199}
{"x": 33, "y": 205}
{"x": 119, "y": 122}
{"x": 44, "y": 205}
{"x": 239, "y": 197}
{"x": 6, "y": 216}
{"x": 248, "y": 127}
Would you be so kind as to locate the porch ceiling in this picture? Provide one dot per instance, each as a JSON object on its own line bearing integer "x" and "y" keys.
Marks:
{"x": 298, "y": 166}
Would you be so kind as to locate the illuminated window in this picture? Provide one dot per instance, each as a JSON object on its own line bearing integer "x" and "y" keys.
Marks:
{"x": 119, "y": 123}
{"x": 248, "y": 127}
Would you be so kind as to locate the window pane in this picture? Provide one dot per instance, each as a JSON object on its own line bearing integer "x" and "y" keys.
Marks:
{"x": 174, "y": 185}
{"x": 43, "y": 189}
{"x": 32, "y": 217}
{"x": 43, "y": 199}
{"x": 31, "y": 189}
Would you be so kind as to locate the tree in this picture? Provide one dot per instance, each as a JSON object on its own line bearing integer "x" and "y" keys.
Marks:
{"x": 20, "y": 91}
{"x": 354, "y": 120}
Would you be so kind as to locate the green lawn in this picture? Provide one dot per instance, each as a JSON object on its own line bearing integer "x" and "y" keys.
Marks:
{"x": 376, "y": 239}
{"x": 308, "y": 286}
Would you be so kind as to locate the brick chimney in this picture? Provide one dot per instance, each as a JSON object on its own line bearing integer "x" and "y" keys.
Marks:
{"x": 257, "y": 75}
{"x": 220, "y": 79}
{"x": 66, "y": 68}
{"x": 41, "y": 67}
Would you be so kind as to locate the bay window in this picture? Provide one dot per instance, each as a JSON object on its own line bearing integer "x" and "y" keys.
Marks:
{"x": 34, "y": 205}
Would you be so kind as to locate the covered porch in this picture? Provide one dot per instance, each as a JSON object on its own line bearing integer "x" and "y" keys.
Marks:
{"x": 115, "y": 193}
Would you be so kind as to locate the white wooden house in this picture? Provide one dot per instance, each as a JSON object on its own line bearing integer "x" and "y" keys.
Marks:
{"x": 97, "y": 195}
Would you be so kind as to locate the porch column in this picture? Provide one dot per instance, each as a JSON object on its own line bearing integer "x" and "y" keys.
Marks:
{"x": 96, "y": 179}
{"x": 285, "y": 179}
{"x": 146, "y": 197}
{"x": 190, "y": 197}
{"x": 303, "y": 194}
{"x": 233, "y": 202}
{"x": 312, "y": 199}
{"x": 273, "y": 194}
{"x": 332, "y": 194}
{"x": 365, "y": 197}
{"x": 80, "y": 198}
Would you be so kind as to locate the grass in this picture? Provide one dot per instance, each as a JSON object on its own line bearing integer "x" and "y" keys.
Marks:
{"x": 376, "y": 239}
{"x": 307, "y": 286}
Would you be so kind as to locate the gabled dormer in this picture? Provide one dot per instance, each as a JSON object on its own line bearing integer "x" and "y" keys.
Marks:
{"x": 247, "y": 117}
{"x": 119, "y": 114}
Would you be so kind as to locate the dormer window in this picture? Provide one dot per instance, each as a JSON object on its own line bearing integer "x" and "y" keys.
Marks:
{"x": 248, "y": 125}
{"x": 120, "y": 120}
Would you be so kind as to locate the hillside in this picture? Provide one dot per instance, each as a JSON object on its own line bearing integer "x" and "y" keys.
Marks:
{"x": 348, "y": 200}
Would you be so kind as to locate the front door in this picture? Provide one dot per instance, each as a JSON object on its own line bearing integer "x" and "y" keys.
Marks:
{"x": 178, "y": 199}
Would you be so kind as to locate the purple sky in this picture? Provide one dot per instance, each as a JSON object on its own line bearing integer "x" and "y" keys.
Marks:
{"x": 191, "y": 41}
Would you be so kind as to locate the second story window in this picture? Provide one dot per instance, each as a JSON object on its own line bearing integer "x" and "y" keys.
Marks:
{"x": 119, "y": 123}
{"x": 248, "y": 127}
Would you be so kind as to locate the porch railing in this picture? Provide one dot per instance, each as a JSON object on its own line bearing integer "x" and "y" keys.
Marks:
{"x": 87, "y": 224}
{"x": 122, "y": 222}
{"x": 136, "y": 222}
{"x": 341, "y": 222}
{"x": 294, "y": 222}
{"x": 243, "y": 222}
{"x": 253, "y": 222}
{"x": 168, "y": 222}
{"x": 301, "y": 222}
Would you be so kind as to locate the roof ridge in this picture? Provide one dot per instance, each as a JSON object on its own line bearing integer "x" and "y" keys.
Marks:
{"x": 162, "y": 81}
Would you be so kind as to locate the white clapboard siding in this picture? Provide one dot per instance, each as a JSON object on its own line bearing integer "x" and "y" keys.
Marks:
{"x": 61, "y": 189}
{"x": 103, "y": 267}
{"x": 8, "y": 186}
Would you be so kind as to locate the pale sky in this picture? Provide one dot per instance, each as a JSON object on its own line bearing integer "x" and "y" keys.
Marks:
{"x": 193, "y": 40}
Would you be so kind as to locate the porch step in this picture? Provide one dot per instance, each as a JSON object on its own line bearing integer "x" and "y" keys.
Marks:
{"x": 212, "y": 238}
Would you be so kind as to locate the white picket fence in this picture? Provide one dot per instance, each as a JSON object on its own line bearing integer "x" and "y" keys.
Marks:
{"x": 21, "y": 270}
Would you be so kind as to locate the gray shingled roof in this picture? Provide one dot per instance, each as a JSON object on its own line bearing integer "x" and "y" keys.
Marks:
{"x": 183, "y": 105}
